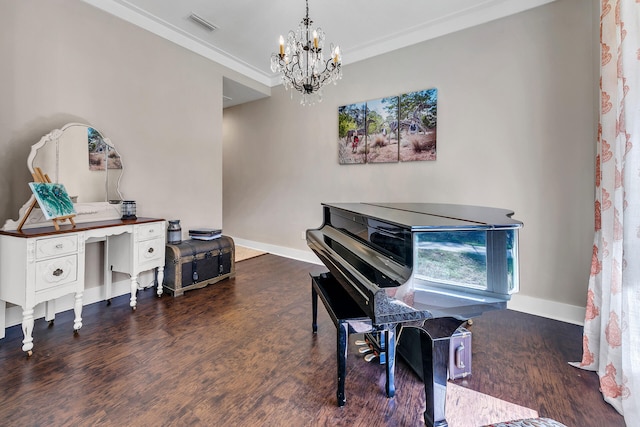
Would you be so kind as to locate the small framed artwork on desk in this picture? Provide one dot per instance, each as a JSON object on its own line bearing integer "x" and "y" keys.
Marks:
{"x": 53, "y": 199}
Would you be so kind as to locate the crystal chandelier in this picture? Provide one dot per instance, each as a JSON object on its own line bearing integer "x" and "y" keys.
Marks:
{"x": 302, "y": 64}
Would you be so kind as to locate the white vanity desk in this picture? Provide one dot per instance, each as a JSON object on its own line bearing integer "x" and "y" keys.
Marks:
{"x": 40, "y": 264}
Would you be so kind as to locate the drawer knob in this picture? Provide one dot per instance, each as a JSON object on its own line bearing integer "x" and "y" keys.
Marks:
{"x": 150, "y": 250}
{"x": 58, "y": 272}
{"x": 59, "y": 246}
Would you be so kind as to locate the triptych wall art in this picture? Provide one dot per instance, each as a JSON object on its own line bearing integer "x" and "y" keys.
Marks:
{"x": 393, "y": 129}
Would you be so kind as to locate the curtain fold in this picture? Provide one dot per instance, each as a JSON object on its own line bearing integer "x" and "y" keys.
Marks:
{"x": 611, "y": 341}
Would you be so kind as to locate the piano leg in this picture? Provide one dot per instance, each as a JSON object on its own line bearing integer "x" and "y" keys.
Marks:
{"x": 390, "y": 362}
{"x": 426, "y": 349}
{"x": 314, "y": 307}
{"x": 341, "y": 353}
{"x": 435, "y": 359}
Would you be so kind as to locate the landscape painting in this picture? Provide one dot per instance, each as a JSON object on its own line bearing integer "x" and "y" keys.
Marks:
{"x": 382, "y": 130}
{"x": 417, "y": 125}
{"x": 351, "y": 134}
{"x": 52, "y": 199}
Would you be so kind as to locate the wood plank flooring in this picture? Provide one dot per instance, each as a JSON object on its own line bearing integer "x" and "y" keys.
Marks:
{"x": 241, "y": 353}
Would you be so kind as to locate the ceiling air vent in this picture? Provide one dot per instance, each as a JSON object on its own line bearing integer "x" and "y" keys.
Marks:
{"x": 202, "y": 22}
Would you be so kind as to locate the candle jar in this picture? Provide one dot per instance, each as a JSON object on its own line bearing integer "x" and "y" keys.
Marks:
{"x": 174, "y": 232}
{"x": 129, "y": 209}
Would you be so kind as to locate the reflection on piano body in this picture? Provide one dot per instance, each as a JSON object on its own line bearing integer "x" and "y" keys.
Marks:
{"x": 423, "y": 269}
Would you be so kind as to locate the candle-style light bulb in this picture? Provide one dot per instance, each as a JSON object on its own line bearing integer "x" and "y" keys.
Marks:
{"x": 336, "y": 55}
{"x": 281, "y": 46}
{"x": 315, "y": 39}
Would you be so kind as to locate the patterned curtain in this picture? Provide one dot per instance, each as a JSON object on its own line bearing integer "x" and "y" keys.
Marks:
{"x": 611, "y": 341}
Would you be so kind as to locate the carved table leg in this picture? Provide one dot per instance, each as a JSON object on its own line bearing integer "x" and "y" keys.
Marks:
{"x": 77, "y": 310}
{"x": 341, "y": 353}
{"x": 134, "y": 290}
{"x": 50, "y": 311}
{"x": 108, "y": 279}
{"x": 3, "y": 307}
{"x": 160, "y": 280}
{"x": 27, "y": 330}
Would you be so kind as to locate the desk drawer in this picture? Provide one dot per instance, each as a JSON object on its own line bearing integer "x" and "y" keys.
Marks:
{"x": 151, "y": 250}
{"x": 56, "y": 271}
{"x": 56, "y": 246}
{"x": 150, "y": 231}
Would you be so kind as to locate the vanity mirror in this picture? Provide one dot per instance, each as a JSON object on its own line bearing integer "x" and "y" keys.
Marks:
{"x": 82, "y": 159}
{"x": 86, "y": 163}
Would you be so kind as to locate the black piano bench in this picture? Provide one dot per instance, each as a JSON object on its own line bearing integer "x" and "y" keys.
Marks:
{"x": 349, "y": 318}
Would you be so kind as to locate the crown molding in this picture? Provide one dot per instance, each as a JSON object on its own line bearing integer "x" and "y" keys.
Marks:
{"x": 480, "y": 13}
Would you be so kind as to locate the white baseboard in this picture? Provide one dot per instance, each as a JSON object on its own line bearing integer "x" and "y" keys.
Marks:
{"x": 297, "y": 254}
{"x": 519, "y": 302}
{"x": 547, "y": 308}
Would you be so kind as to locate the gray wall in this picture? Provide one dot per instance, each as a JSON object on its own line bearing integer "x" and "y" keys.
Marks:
{"x": 161, "y": 105}
{"x": 517, "y": 114}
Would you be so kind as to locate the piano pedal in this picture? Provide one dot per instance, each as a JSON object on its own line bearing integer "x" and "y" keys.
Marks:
{"x": 361, "y": 342}
{"x": 364, "y": 350}
{"x": 369, "y": 357}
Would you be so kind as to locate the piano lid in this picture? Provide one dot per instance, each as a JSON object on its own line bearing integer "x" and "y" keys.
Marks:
{"x": 430, "y": 216}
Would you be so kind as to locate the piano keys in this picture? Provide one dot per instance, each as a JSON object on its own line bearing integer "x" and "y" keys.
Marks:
{"x": 415, "y": 271}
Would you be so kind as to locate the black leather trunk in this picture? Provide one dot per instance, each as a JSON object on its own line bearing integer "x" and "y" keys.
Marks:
{"x": 194, "y": 264}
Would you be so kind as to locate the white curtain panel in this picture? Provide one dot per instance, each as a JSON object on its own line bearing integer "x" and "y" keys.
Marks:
{"x": 611, "y": 342}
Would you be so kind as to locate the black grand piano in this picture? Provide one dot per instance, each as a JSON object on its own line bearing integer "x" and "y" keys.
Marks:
{"x": 407, "y": 275}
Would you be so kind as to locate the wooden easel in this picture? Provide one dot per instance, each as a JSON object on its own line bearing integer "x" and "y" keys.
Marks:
{"x": 39, "y": 176}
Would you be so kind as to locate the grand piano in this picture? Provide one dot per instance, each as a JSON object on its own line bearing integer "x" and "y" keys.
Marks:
{"x": 408, "y": 275}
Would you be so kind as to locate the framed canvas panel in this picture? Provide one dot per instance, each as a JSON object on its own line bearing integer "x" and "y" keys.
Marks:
{"x": 417, "y": 125}
{"x": 53, "y": 199}
{"x": 351, "y": 133}
{"x": 382, "y": 130}
{"x": 102, "y": 156}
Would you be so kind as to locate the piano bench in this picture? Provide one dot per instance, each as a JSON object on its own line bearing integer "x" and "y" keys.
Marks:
{"x": 349, "y": 318}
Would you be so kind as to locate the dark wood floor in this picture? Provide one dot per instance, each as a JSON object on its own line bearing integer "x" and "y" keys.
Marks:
{"x": 241, "y": 353}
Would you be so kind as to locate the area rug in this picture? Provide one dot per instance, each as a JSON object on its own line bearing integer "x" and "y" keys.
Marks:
{"x": 243, "y": 253}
